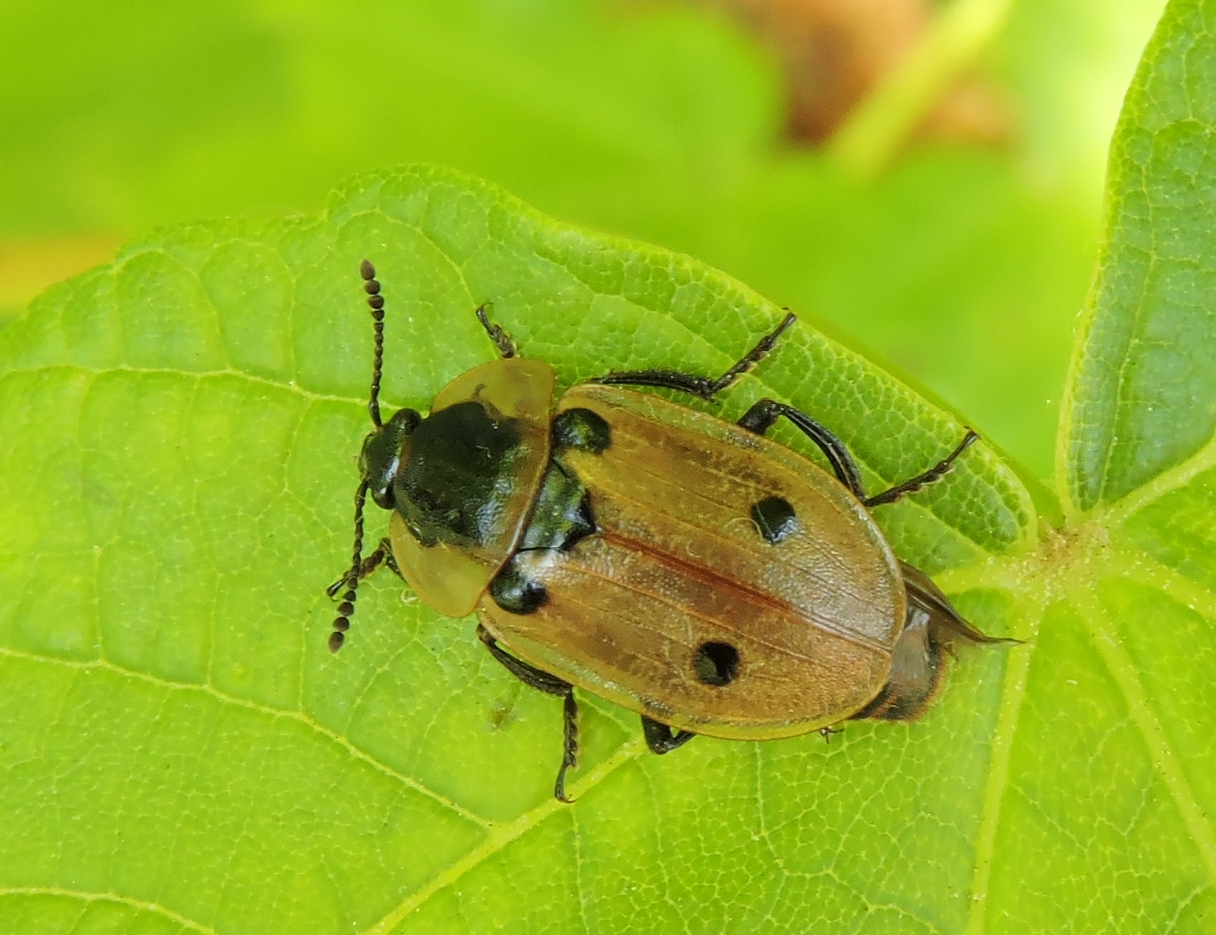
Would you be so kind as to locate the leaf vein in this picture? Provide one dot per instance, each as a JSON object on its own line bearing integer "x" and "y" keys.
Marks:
{"x": 88, "y": 897}
{"x": 501, "y": 837}
{"x": 275, "y": 713}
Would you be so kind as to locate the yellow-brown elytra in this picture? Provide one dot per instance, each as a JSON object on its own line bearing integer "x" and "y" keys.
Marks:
{"x": 683, "y": 567}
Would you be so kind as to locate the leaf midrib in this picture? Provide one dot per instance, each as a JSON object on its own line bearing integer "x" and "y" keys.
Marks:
{"x": 1169, "y": 480}
{"x": 1066, "y": 573}
{"x": 1013, "y": 696}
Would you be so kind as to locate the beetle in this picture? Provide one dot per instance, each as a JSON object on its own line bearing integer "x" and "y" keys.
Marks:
{"x": 683, "y": 567}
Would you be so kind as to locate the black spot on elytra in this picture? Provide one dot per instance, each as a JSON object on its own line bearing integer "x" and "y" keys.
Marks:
{"x": 716, "y": 663}
{"x": 775, "y": 518}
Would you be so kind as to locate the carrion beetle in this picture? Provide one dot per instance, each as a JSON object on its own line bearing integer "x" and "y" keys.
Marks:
{"x": 684, "y": 567}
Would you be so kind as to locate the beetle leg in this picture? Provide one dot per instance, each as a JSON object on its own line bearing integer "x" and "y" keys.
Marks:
{"x": 382, "y": 556}
{"x": 550, "y": 685}
{"x": 925, "y": 478}
{"x": 659, "y": 737}
{"x": 705, "y": 387}
{"x": 506, "y": 347}
{"x": 390, "y": 562}
{"x": 529, "y": 675}
{"x": 569, "y": 745}
{"x": 761, "y": 416}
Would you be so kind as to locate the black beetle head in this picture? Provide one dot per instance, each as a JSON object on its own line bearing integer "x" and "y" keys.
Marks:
{"x": 380, "y": 459}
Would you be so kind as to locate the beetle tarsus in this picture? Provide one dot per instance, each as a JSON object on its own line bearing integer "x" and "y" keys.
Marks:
{"x": 661, "y": 739}
{"x": 351, "y": 579}
{"x": 704, "y": 387}
{"x": 827, "y": 732}
{"x": 550, "y": 685}
{"x": 333, "y": 589}
{"x": 749, "y": 360}
{"x": 569, "y": 746}
{"x": 925, "y": 478}
{"x": 506, "y": 347}
{"x": 382, "y": 556}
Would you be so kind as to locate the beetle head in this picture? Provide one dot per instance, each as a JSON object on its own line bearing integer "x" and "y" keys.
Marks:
{"x": 380, "y": 459}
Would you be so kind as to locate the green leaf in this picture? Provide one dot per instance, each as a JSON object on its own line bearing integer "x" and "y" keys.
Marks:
{"x": 180, "y": 752}
{"x": 1104, "y": 772}
{"x": 1142, "y": 397}
{"x": 192, "y": 414}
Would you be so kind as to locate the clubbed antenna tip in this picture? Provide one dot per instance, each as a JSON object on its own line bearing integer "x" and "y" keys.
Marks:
{"x": 350, "y": 580}
{"x": 375, "y": 302}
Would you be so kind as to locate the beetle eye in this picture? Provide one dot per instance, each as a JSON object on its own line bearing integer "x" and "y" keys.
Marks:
{"x": 716, "y": 663}
{"x": 381, "y": 455}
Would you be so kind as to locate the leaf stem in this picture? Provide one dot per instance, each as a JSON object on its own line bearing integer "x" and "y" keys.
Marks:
{"x": 880, "y": 125}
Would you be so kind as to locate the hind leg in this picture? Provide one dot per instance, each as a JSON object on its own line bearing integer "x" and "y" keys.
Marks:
{"x": 550, "y": 685}
{"x": 661, "y": 739}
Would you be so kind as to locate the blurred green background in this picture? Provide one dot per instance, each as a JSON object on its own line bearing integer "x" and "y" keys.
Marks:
{"x": 949, "y": 228}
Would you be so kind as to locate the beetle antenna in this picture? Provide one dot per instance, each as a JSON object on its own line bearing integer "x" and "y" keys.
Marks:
{"x": 346, "y": 609}
{"x": 375, "y": 301}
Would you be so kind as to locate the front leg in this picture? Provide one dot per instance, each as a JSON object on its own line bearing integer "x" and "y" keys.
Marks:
{"x": 502, "y": 340}
{"x": 550, "y": 685}
{"x": 382, "y": 556}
